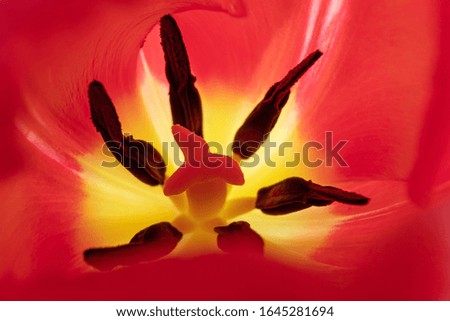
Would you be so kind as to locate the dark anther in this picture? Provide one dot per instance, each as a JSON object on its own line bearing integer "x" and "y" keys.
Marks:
{"x": 239, "y": 238}
{"x": 185, "y": 100}
{"x": 103, "y": 113}
{"x": 157, "y": 233}
{"x": 295, "y": 193}
{"x": 149, "y": 244}
{"x": 258, "y": 125}
{"x": 138, "y": 156}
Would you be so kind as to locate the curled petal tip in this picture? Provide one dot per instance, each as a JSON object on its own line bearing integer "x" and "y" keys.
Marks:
{"x": 235, "y": 8}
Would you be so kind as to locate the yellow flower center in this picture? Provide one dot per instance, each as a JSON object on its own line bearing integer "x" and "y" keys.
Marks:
{"x": 193, "y": 219}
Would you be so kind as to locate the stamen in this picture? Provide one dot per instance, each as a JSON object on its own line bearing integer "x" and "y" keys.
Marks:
{"x": 295, "y": 194}
{"x": 258, "y": 125}
{"x": 150, "y": 244}
{"x": 185, "y": 100}
{"x": 103, "y": 113}
{"x": 239, "y": 238}
{"x": 137, "y": 156}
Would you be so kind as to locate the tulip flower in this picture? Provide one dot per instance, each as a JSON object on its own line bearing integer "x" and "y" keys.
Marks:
{"x": 79, "y": 78}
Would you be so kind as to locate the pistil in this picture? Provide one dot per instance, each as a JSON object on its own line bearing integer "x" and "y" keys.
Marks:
{"x": 203, "y": 176}
{"x": 207, "y": 198}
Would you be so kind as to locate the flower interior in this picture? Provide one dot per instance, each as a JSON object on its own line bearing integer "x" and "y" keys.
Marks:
{"x": 198, "y": 210}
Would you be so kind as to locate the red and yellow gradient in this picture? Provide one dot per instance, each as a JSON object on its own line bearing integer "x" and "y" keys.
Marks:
{"x": 379, "y": 85}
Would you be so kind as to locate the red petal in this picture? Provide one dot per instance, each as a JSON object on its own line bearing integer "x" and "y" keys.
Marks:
{"x": 373, "y": 87}
{"x": 399, "y": 252}
{"x": 431, "y": 167}
{"x": 40, "y": 214}
{"x": 215, "y": 277}
{"x": 55, "y": 49}
{"x": 12, "y": 158}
